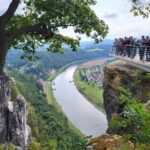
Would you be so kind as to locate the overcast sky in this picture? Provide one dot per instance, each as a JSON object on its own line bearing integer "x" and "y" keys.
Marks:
{"x": 116, "y": 13}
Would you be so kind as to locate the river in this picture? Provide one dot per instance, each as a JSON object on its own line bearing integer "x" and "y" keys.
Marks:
{"x": 81, "y": 113}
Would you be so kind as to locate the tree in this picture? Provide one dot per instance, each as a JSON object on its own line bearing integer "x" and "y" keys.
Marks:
{"x": 141, "y": 7}
{"x": 40, "y": 21}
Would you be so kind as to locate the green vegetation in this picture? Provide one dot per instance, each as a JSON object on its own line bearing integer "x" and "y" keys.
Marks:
{"x": 40, "y": 26}
{"x": 48, "y": 91}
{"x": 50, "y": 127}
{"x": 51, "y": 99}
{"x": 134, "y": 121}
{"x": 91, "y": 91}
{"x": 140, "y": 8}
{"x": 47, "y": 61}
{"x": 34, "y": 145}
{"x": 8, "y": 147}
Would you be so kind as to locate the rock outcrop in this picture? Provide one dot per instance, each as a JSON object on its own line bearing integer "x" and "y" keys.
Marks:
{"x": 13, "y": 117}
{"x": 137, "y": 81}
{"x": 109, "y": 142}
{"x": 123, "y": 74}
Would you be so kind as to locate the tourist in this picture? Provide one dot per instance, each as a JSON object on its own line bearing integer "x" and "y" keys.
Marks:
{"x": 128, "y": 46}
{"x": 147, "y": 44}
{"x": 141, "y": 45}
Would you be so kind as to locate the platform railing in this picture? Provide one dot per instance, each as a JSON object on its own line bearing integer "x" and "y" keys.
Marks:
{"x": 132, "y": 52}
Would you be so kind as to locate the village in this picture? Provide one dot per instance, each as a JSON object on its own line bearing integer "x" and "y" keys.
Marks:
{"x": 92, "y": 74}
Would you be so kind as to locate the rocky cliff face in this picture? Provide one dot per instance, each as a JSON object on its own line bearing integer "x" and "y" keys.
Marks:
{"x": 125, "y": 75}
{"x": 138, "y": 83}
{"x": 13, "y": 117}
{"x": 109, "y": 142}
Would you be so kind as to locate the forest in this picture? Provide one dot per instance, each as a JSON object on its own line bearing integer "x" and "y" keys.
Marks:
{"x": 50, "y": 127}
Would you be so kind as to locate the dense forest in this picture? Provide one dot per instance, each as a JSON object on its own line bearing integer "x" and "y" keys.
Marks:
{"x": 50, "y": 127}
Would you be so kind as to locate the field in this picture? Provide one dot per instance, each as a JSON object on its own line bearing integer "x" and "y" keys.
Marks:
{"x": 92, "y": 63}
{"x": 91, "y": 91}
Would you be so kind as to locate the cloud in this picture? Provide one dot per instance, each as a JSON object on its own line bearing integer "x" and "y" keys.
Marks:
{"x": 110, "y": 15}
{"x": 137, "y": 28}
{"x": 115, "y": 13}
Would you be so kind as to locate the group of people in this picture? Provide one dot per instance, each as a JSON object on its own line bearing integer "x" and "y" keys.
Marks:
{"x": 129, "y": 46}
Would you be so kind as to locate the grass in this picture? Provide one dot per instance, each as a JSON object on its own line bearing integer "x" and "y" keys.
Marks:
{"x": 53, "y": 76}
{"x": 50, "y": 96}
{"x": 92, "y": 92}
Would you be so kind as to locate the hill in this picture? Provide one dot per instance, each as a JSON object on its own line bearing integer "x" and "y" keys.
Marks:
{"x": 47, "y": 61}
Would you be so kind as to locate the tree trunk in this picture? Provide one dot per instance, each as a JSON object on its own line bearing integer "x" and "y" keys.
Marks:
{"x": 3, "y": 52}
{"x": 4, "y": 87}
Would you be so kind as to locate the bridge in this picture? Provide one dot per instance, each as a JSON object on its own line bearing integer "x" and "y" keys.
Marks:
{"x": 138, "y": 56}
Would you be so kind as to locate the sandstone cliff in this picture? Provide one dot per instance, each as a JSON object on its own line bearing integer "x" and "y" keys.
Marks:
{"x": 138, "y": 83}
{"x": 126, "y": 75}
{"x": 109, "y": 142}
{"x": 13, "y": 117}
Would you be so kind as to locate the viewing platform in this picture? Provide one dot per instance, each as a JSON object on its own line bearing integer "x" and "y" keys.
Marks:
{"x": 138, "y": 56}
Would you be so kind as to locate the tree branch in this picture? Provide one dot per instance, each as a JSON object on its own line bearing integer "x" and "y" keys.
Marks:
{"x": 10, "y": 12}
{"x": 34, "y": 29}
{"x": 41, "y": 29}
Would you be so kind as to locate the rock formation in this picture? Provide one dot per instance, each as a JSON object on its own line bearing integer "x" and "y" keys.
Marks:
{"x": 123, "y": 74}
{"x": 136, "y": 81}
{"x": 13, "y": 117}
{"x": 109, "y": 142}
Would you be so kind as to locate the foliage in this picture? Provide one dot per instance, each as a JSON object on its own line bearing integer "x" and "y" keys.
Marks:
{"x": 14, "y": 93}
{"x": 34, "y": 145}
{"x": 142, "y": 77}
{"x": 134, "y": 121}
{"x": 8, "y": 147}
{"x": 49, "y": 126}
{"x": 1, "y": 147}
{"x": 37, "y": 125}
{"x": 141, "y": 7}
{"x": 40, "y": 24}
{"x": 52, "y": 144}
{"x": 11, "y": 147}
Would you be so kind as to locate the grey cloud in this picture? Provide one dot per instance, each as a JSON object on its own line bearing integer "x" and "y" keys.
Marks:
{"x": 110, "y": 15}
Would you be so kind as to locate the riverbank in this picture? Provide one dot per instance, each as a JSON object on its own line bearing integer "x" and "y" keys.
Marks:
{"x": 92, "y": 92}
{"x": 48, "y": 83}
{"x": 52, "y": 101}
{"x": 82, "y": 114}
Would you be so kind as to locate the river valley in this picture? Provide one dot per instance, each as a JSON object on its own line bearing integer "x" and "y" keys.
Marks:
{"x": 81, "y": 113}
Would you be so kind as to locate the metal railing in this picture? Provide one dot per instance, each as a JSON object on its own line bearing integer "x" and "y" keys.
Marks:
{"x": 133, "y": 52}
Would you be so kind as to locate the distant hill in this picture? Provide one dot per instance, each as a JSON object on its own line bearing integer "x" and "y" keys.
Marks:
{"x": 92, "y": 43}
{"x": 39, "y": 68}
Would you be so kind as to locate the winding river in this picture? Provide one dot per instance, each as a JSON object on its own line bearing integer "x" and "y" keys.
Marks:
{"x": 82, "y": 114}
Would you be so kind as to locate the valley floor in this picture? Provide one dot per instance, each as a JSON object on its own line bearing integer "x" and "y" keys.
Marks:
{"x": 92, "y": 91}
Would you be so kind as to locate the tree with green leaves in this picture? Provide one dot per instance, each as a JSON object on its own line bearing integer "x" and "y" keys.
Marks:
{"x": 141, "y": 7}
{"x": 39, "y": 23}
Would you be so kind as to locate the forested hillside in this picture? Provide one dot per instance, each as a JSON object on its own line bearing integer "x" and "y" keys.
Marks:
{"x": 40, "y": 67}
{"x": 50, "y": 127}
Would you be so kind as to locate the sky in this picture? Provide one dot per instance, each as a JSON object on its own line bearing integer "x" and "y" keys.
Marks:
{"x": 116, "y": 14}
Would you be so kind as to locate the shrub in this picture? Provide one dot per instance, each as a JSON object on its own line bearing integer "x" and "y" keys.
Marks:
{"x": 133, "y": 123}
